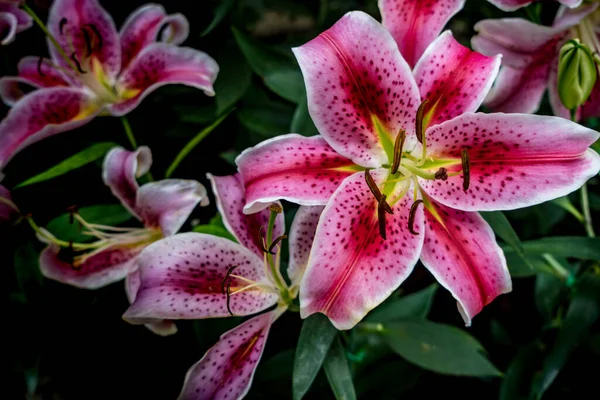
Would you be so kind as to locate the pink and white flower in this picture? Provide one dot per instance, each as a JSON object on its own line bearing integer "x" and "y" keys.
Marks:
{"x": 391, "y": 139}
{"x": 8, "y": 209}
{"x": 12, "y": 20}
{"x": 530, "y": 59}
{"x": 97, "y": 70}
{"x": 161, "y": 206}
{"x": 512, "y": 5}
{"x": 194, "y": 276}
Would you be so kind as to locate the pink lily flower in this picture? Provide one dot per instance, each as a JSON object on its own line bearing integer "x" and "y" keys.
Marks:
{"x": 194, "y": 276}
{"x": 162, "y": 207}
{"x": 12, "y": 20}
{"x": 512, "y": 5}
{"x": 530, "y": 59}
{"x": 97, "y": 70}
{"x": 8, "y": 209}
{"x": 391, "y": 140}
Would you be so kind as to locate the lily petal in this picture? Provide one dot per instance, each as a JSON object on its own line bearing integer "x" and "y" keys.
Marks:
{"x": 33, "y": 72}
{"x": 168, "y": 203}
{"x": 291, "y": 167}
{"x": 302, "y": 235}
{"x": 415, "y": 24}
{"x": 516, "y": 160}
{"x": 354, "y": 76}
{"x": 227, "y": 369}
{"x": 101, "y": 269}
{"x": 351, "y": 268}
{"x": 160, "y": 64}
{"x": 12, "y": 21}
{"x": 230, "y": 197}
{"x": 120, "y": 170}
{"x": 72, "y": 21}
{"x": 8, "y": 209}
{"x": 461, "y": 252}
{"x": 512, "y": 5}
{"x": 41, "y": 114}
{"x": 453, "y": 78}
{"x": 183, "y": 277}
{"x": 143, "y": 26}
{"x": 161, "y": 327}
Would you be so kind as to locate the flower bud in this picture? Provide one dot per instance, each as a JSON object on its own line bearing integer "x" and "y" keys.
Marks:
{"x": 576, "y": 74}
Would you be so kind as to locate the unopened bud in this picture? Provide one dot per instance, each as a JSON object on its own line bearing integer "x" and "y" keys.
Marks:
{"x": 577, "y": 74}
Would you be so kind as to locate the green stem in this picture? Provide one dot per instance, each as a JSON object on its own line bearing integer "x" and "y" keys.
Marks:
{"x": 585, "y": 204}
{"x": 129, "y": 132}
{"x": 39, "y": 23}
{"x": 61, "y": 243}
{"x": 193, "y": 143}
{"x": 561, "y": 271}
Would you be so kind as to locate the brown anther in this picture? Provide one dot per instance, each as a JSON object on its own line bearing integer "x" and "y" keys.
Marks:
{"x": 97, "y": 33}
{"x": 88, "y": 42}
{"x": 61, "y": 25}
{"x": 72, "y": 210}
{"x": 275, "y": 243}
{"x": 276, "y": 208}
{"x": 441, "y": 174}
{"x": 228, "y": 299}
{"x": 372, "y": 185}
{"x": 398, "y": 145}
{"x": 412, "y": 215}
{"x": 420, "y": 115}
{"x": 381, "y": 217}
{"x": 77, "y": 64}
{"x": 261, "y": 239}
{"x": 226, "y": 279}
{"x": 466, "y": 169}
{"x": 39, "y": 66}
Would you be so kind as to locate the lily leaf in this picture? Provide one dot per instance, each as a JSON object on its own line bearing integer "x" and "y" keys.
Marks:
{"x": 302, "y": 123}
{"x": 316, "y": 337}
{"x": 234, "y": 80}
{"x": 215, "y": 227}
{"x": 27, "y": 270}
{"x": 438, "y": 347}
{"x": 502, "y": 227}
{"x": 516, "y": 384}
{"x": 583, "y": 248}
{"x": 78, "y": 160}
{"x": 338, "y": 372}
{"x": 65, "y": 228}
{"x": 415, "y": 305}
{"x": 220, "y": 13}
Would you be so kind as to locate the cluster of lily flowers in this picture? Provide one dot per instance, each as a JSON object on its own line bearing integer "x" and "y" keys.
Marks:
{"x": 398, "y": 173}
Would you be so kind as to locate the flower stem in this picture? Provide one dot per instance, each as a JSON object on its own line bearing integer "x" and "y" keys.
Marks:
{"x": 42, "y": 26}
{"x": 585, "y": 204}
{"x": 129, "y": 132}
{"x": 193, "y": 143}
{"x": 46, "y": 235}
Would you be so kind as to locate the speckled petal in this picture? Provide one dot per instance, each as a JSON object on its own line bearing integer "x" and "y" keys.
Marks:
{"x": 160, "y": 64}
{"x": 70, "y": 21}
{"x": 512, "y": 5}
{"x": 302, "y": 234}
{"x": 182, "y": 278}
{"x": 353, "y": 74}
{"x": 230, "y": 197}
{"x": 161, "y": 327}
{"x": 453, "y": 78}
{"x": 461, "y": 252}
{"x": 41, "y": 114}
{"x": 351, "y": 268}
{"x": 29, "y": 73}
{"x": 517, "y": 160}
{"x": 101, "y": 269}
{"x": 226, "y": 370}
{"x": 12, "y": 21}
{"x": 415, "y": 24}
{"x": 143, "y": 26}
{"x": 168, "y": 203}
{"x": 291, "y": 167}
{"x": 120, "y": 170}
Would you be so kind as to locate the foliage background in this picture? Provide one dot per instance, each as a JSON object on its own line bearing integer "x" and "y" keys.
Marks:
{"x": 64, "y": 343}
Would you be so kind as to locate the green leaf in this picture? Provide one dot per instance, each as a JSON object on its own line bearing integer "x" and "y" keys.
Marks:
{"x": 220, "y": 12}
{"x": 27, "y": 270}
{"x": 502, "y": 227}
{"x": 302, "y": 123}
{"x": 276, "y": 368}
{"x": 78, "y": 160}
{"x": 234, "y": 80}
{"x": 338, "y": 372}
{"x": 376, "y": 379}
{"x": 548, "y": 291}
{"x": 520, "y": 269}
{"x": 583, "y": 248}
{"x": 440, "y": 348}
{"x": 316, "y": 337}
{"x": 64, "y": 228}
{"x": 583, "y": 311}
{"x": 516, "y": 384}
{"x": 565, "y": 204}
{"x": 215, "y": 227}
{"x": 279, "y": 71}
{"x": 415, "y": 305}
{"x": 266, "y": 121}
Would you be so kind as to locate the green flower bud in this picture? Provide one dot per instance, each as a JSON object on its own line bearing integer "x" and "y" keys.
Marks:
{"x": 577, "y": 74}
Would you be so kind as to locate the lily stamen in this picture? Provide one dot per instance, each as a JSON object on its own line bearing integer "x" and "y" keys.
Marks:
{"x": 411, "y": 218}
{"x": 419, "y": 121}
{"x": 398, "y": 146}
{"x": 39, "y": 66}
{"x": 77, "y": 64}
{"x": 61, "y": 25}
{"x": 229, "y": 271}
{"x": 441, "y": 174}
{"x": 381, "y": 211}
{"x": 466, "y": 167}
{"x": 373, "y": 186}
{"x": 97, "y": 34}
{"x": 275, "y": 243}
